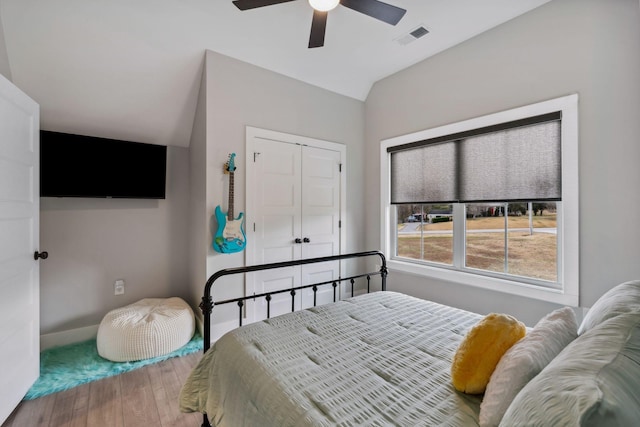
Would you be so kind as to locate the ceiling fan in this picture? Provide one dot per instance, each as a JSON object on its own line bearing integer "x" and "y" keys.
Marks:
{"x": 373, "y": 8}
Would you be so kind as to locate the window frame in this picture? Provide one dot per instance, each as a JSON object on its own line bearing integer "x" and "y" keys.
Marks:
{"x": 567, "y": 291}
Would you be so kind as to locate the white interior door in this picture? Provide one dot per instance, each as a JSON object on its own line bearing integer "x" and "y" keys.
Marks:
{"x": 19, "y": 237}
{"x": 294, "y": 202}
{"x": 276, "y": 222}
{"x": 320, "y": 219}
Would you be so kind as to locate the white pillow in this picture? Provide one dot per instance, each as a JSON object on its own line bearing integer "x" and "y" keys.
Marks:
{"x": 593, "y": 382}
{"x": 524, "y": 361}
{"x": 624, "y": 298}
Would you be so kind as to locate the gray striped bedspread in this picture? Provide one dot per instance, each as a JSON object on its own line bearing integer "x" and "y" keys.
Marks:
{"x": 381, "y": 359}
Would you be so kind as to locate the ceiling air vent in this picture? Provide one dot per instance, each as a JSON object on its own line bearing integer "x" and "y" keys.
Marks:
{"x": 413, "y": 35}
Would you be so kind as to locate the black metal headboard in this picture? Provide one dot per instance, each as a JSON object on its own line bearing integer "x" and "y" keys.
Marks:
{"x": 207, "y": 303}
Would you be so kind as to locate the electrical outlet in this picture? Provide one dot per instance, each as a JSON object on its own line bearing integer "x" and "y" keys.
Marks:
{"x": 118, "y": 287}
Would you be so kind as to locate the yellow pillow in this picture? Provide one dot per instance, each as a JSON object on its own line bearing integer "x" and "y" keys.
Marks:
{"x": 481, "y": 350}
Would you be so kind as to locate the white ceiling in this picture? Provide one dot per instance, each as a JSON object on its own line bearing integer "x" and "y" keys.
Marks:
{"x": 130, "y": 69}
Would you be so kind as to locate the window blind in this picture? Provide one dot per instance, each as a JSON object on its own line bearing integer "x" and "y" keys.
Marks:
{"x": 514, "y": 161}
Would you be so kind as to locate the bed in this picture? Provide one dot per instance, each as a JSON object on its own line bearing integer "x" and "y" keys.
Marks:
{"x": 384, "y": 358}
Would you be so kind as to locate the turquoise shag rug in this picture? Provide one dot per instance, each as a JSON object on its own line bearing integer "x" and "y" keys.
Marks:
{"x": 62, "y": 368}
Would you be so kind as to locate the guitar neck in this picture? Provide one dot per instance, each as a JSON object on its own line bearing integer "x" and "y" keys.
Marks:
{"x": 230, "y": 209}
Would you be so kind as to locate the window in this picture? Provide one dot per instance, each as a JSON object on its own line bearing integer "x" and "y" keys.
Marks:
{"x": 489, "y": 202}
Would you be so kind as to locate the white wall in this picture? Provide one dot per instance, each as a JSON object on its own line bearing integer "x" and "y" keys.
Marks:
{"x": 5, "y": 69}
{"x": 93, "y": 242}
{"x": 240, "y": 95}
{"x": 589, "y": 47}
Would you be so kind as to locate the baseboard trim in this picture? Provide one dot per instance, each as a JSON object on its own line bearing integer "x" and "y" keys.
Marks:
{"x": 56, "y": 339}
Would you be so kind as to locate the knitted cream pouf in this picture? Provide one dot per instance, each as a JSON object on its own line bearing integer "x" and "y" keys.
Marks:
{"x": 148, "y": 328}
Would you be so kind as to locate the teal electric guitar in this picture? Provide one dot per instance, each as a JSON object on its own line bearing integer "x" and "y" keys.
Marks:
{"x": 230, "y": 236}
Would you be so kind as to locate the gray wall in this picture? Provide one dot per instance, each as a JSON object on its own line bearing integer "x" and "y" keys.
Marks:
{"x": 93, "y": 242}
{"x": 163, "y": 248}
{"x": 5, "y": 69}
{"x": 589, "y": 47}
{"x": 586, "y": 46}
{"x": 198, "y": 223}
{"x": 240, "y": 95}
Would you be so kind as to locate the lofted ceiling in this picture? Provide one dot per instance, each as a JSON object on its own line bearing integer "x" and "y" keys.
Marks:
{"x": 130, "y": 69}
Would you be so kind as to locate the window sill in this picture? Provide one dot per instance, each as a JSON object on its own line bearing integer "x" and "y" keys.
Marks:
{"x": 557, "y": 296}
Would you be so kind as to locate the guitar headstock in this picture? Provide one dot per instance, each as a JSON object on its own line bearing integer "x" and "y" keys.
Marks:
{"x": 230, "y": 165}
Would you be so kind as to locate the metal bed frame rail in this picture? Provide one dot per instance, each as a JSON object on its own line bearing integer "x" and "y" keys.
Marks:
{"x": 207, "y": 303}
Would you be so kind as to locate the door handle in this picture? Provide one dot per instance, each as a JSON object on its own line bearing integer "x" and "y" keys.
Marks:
{"x": 306, "y": 240}
{"x": 43, "y": 255}
{"x": 298, "y": 240}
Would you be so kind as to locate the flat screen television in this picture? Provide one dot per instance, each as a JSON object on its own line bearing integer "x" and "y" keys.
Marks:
{"x": 85, "y": 166}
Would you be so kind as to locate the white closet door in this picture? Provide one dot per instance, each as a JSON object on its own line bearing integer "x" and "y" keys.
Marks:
{"x": 19, "y": 237}
{"x": 294, "y": 193}
{"x": 320, "y": 219}
{"x": 277, "y": 221}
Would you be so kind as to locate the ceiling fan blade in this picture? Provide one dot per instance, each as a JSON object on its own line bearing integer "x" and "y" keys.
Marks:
{"x": 376, "y": 9}
{"x": 318, "y": 27}
{"x": 252, "y": 4}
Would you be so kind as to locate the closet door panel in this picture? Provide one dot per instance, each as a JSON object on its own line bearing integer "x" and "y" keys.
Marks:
{"x": 277, "y": 223}
{"x": 320, "y": 218}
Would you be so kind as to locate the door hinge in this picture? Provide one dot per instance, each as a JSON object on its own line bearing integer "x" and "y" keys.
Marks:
{"x": 339, "y": 223}
{"x": 254, "y": 227}
{"x": 255, "y": 156}
{"x": 340, "y": 167}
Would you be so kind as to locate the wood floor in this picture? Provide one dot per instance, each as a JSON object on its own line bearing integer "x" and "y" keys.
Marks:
{"x": 145, "y": 397}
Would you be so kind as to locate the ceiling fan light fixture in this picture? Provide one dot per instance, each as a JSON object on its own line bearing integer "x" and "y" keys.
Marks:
{"x": 324, "y": 5}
